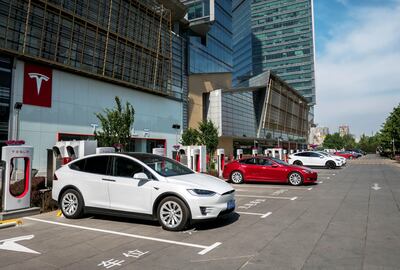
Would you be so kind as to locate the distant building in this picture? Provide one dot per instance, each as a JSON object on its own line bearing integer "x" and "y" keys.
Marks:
{"x": 317, "y": 135}
{"x": 344, "y": 130}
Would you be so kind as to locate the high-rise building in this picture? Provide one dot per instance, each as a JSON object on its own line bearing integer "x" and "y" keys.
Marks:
{"x": 344, "y": 130}
{"x": 275, "y": 35}
{"x": 210, "y": 41}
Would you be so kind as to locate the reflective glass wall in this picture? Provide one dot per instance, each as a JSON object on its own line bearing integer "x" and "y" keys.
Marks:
{"x": 213, "y": 52}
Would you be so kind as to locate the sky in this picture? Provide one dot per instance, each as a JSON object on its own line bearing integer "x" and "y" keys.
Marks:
{"x": 357, "y": 63}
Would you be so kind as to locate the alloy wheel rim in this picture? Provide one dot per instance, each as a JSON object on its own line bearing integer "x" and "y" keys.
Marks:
{"x": 295, "y": 178}
{"x": 171, "y": 214}
{"x": 70, "y": 204}
{"x": 236, "y": 177}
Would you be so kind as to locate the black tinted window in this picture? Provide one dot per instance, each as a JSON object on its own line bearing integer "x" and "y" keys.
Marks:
{"x": 251, "y": 161}
{"x": 314, "y": 155}
{"x": 303, "y": 154}
{"x": 78, "y": 165}
{"x": 264, "y": 162}
{"x": 124, "y": 167}
{"x": 97, "y": 164}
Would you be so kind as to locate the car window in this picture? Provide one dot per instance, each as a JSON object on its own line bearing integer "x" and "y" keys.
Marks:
{"x": 250, "y": 161}
{"x": 97, "y": 164}
{"x": 303, "y": 154}
{"x": 124, "y": 167}
{"x": 314, "y": 154}
{"x": 264, "y": 162}
{"x": 78, "y": 165}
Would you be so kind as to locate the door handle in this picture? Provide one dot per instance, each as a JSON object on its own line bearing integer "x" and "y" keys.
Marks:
{"x": 108, "y": 180}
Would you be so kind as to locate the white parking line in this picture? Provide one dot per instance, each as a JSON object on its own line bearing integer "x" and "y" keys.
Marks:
{"x": 325, "y": 177}
{"x": 205, "y": 249}
{"x": 256, "y": 214}
{"x": 267, "y": 187}
{"x": 318, "y": 182}
{"x": 267, "y": 197}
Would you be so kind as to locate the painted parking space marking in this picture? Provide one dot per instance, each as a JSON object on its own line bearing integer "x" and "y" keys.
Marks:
{"x": 279, "y": 192}
{"x": 262, "y": 215}
{"x": 266, "y": 197}
{"x": 266, "y": 187}
{"x": 251, "y": 204}
{"x": 204, "y": 249}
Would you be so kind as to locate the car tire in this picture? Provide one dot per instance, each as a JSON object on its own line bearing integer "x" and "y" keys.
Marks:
{"x": 330, "y": 165}
{"x": 173, "y": 214}
{"x": 295, "y": 179}
{"x": 298, "y": 163}
{"x": 71, "y": 204}
{"x": 236, "y": 177}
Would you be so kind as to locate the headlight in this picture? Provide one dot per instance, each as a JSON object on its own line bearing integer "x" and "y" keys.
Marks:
{"x": 338, "y": 160}
{"x": 306, "y": 171}
{"x": 201, "y": 192}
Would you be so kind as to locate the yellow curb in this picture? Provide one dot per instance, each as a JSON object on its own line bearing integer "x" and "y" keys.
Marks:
{"x": 17, "y": 221}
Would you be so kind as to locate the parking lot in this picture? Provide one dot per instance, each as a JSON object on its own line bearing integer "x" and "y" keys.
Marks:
{"x": 349, "y": 220}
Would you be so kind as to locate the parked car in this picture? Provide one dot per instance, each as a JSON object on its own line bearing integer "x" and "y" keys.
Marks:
{"x": 358, "y": 151}
{"x": 346, "y": 154}
{"x": 342, "y": 159}
{"x": 309, "y": 158}
{"x": 266, "y": 169}
{"x": 142, "y": 186}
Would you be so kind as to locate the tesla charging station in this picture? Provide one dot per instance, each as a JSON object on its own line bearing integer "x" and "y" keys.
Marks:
{"x": 195, "y": 157}
{"x": 254, "y": 152}
{"x": 16, "y": 178}
{"x": 220, "y": 161}
{"x": 276, "y": 152}
{"x": 239, "y": 153}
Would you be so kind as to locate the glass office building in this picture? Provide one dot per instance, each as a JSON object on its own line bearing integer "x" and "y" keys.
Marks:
{"x": 275, "y": 35}
{"x": 210, "y": 41}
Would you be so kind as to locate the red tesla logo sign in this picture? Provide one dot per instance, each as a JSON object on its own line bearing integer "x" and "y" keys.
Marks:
{"x": 37, "y": 85}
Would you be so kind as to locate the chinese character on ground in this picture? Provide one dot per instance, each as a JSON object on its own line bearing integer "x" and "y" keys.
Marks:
{"x": 134, "y": 253}
{"x": 111, "y": 263}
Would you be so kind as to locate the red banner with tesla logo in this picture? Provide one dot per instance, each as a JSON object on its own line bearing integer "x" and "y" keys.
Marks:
{"x": 37, "y": 85}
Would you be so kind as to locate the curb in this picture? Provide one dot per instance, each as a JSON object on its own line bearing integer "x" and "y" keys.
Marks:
{"x": 10, "y": 223}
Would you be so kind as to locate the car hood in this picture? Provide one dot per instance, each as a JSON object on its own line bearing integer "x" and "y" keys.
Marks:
{"x": 201, "y": 181}
{"x": 301, "y": 168}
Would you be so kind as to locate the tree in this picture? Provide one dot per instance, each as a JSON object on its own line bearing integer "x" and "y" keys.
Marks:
{"x": 208, "y": 136}
{"x": 190, "y": 137}
{"x": 116, "y": 125}
{"x": 368, "y": 144}
{"x": 333, "y": 141}
{"x": 348, "y": 141}
{"x": 390, "y": 132}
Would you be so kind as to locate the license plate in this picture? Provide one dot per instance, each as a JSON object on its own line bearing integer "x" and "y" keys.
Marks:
{"x": 230, "y": 205}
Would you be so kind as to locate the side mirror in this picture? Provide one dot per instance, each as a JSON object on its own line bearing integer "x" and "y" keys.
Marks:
{"x": 275, "y": 166}
{"x": 321, "y": 156}
{"x": 140, "y": 176}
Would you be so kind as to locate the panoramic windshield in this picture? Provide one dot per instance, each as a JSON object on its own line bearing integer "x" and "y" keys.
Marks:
{"x": 277, "y": 160}
{"x": 163, "y": 166}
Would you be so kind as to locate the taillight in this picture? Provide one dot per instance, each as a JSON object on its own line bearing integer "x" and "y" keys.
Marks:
{"x": 55, "y": 177}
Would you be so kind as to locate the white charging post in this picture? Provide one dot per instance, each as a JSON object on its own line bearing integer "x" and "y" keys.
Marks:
{"x": 220, "y": 161}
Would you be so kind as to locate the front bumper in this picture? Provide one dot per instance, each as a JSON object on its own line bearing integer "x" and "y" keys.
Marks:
{"x": 211, "y": 207}
{"x": 310, "y": 177}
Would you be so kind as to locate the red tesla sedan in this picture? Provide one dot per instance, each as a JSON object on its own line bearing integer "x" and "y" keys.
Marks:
{"x": 265, "y": 169}
{"x": 345, "y": 154}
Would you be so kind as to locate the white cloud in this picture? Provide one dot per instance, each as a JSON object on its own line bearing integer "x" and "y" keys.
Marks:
{"x": 358, "y": 73}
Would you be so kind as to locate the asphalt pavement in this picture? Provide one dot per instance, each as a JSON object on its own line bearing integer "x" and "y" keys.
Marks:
{"x": 349, "y": 220}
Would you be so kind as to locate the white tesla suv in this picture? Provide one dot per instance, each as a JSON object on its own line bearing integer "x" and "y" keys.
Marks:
{"x": 310, "y": 158}
{"x": 141, "y": 186}
{"x": 342, "y": 159}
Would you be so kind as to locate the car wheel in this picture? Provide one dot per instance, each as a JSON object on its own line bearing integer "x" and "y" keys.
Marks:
{"x": 71, "y": 204}
{"x": 295, "y": 179}
{"x": 298, "y": 163}
{"x": 237, "y": 177}
{"x": 330, "y": 165}
{"x": 173, "y": 214}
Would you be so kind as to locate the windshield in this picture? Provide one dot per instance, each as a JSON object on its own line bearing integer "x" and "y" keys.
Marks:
{"x": 164, "y": 166}
{"x": 279, "y": 161}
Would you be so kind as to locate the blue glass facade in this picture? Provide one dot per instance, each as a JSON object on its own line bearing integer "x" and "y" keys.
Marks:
{"x": 212, "y": 52}
{"x": 282, "y": 40}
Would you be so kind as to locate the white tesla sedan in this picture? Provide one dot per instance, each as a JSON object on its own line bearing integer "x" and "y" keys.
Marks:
{"x": 310, "y": 158}
{"x": 141, "y": 186}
